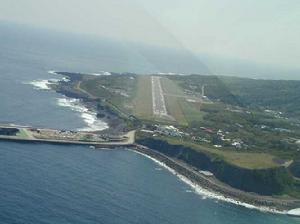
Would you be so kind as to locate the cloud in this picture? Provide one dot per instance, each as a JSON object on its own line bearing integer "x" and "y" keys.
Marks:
{"x": 262, "y": 31}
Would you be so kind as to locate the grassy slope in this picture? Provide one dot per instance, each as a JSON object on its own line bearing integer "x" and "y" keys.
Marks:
{"x": 172, "y": 102}
{"x": 279, "y": 95}
{"x": 142, "y": 103}
{"x": 22, "y": 133}
{"x": 191, "y": 111}
{"x": 183, "y": 111}
{"x": 240, "y": 159}
{"x": 104, "y": 86}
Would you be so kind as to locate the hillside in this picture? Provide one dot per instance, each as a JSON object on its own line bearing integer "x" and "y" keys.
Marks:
{"x": 248, "y": 125}
{"x": 279, "y": 95}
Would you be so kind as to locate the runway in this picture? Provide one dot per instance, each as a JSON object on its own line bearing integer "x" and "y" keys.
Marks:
{"x": 158, "y": 99}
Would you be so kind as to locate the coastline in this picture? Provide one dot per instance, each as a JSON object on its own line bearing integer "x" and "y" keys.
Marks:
{"x": 208, "y": 187}
{"x": 109, "y": 123}
{"x": 87, "y": 112}
{"x": 212, "y": 188}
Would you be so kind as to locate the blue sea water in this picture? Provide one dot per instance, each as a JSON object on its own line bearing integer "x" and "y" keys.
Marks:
{"x": 42, "y": 183}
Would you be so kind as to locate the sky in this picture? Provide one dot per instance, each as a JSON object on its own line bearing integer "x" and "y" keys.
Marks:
{"x": 263, "y": 31}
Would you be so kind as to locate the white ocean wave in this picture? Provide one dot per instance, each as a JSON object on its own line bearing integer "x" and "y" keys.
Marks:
{"x": 44, "y": 84}
{"x": 73, "y": 104}
{"x": 101, "y": 73}
{"x": 52, "y": 72}
{"x": 204, "y": 193}
{"x": 40, "y": 84}
{"x": 89, "y": 117}
{"x": 93, "y": 123}
{"x": 169, "y": 73}
{"x": 65, "y": 79}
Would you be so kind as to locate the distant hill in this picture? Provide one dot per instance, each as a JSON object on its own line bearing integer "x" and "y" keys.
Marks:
{"x": 248, "y": 69}
{"x": 92, "y": 54}
{"x": 279, "y": 95}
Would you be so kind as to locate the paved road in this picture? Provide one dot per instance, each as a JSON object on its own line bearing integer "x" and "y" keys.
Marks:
{"x": 158, "y": 99}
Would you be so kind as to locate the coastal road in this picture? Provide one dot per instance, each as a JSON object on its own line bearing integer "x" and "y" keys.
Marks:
{"x": 158, "y": 99}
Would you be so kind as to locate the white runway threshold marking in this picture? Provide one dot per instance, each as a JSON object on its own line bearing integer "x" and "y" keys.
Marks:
{"x": 158, "y": 99}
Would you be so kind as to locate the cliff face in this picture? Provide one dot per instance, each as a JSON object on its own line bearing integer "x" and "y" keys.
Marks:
{"x": 8, "y": 131}
{"x": 262, "y": 181}
{"x": 295, "y": 167}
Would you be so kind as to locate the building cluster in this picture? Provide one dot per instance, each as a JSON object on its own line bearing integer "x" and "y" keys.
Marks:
{"x": 66, "y": 135}
{"x": 221, "y": 136}
{"x": 237, "y": 143}
{"x": 169, "y": 130}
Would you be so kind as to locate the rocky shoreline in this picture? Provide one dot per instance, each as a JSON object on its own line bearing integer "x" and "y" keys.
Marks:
{"x": 211, "y": 184}
{"x": 115, "y": 124}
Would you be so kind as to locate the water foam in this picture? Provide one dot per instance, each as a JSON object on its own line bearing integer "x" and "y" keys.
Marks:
{"x": 204, "y": 193}
{"x": 44, "y": 84}
{"x": 40, "y": 84}
{"x": 101, "y": 73}
{"x": 89, "y": 117}
{"x": 52, "y": 72}
{"x": 170, "y": 73}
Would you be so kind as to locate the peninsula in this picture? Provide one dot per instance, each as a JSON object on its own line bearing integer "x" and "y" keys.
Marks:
{"x": 239, "y": 138}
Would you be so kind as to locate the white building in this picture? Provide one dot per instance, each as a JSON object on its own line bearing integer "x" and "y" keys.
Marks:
{"x": 169, "y": 130}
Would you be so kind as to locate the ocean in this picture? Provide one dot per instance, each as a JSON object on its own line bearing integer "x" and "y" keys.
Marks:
{"x": 42, "y": 183}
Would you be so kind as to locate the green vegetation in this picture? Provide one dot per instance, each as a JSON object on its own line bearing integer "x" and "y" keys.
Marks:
{"x": 280, "y": 95}
{"x": 192, "y": 111}
{"x": 117, "y": 90}
{"x": 259, "y": 132}
{"x": 177, "y": 103}
{"x": 22, "y": 133}
{"x": 86, "y": 138}
{"x": 241, "y": 124}
{"x": 143, "y": 99}
{"x": 248, "y": 160}
{"x": 172, "y": 99}
{"x": 265, "y": 180}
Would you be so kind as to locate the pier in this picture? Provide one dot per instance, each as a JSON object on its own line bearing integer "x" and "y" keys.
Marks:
{"x": 27, "y": 134}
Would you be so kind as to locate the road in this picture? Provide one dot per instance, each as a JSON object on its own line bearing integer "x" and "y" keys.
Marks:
{"x": 158, "y": 99}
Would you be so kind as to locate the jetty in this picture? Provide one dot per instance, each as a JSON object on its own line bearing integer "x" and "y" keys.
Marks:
{"x": 205, "y": 179}
{"x": 18, "y": 133}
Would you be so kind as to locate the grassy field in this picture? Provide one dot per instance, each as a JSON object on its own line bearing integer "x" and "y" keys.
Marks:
{"x": 139, "y": 101}
{"x": 240, "y": 159}
{"x": 142, "y": 103}
{"x": 191, "y": 111}
{"x": 22, "y": 134}
{"x": 118, "y": 91}
{"x": 177, "y": 104}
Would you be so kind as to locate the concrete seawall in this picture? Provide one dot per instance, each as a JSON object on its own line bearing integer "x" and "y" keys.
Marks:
{"x": 64, "y": 142}
{"x": 26, "y": 134}
{"x": 207, "y": 182}
{"x": 214, "y": 185}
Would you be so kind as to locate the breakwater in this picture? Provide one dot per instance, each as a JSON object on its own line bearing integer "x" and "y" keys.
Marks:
{"x": 219, "y": 189}
{"x": 65, "y": 137}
